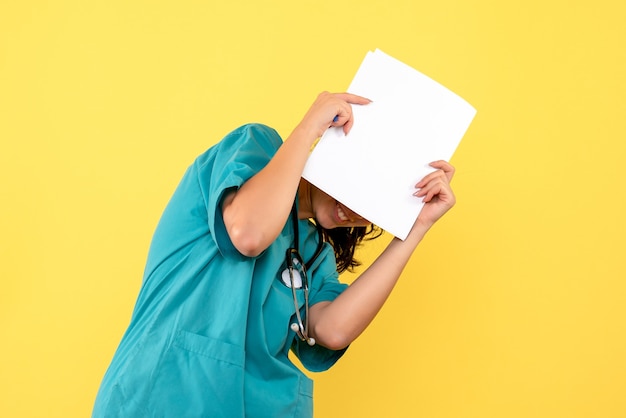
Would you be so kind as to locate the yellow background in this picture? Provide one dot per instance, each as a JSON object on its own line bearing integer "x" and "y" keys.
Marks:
{"x": 514, "y": 306}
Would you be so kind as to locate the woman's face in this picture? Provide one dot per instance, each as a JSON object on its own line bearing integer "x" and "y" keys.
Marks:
{"x": 332, "y": 214}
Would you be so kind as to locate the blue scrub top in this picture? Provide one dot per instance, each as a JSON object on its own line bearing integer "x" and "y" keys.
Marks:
{"x": 210, "y": 335}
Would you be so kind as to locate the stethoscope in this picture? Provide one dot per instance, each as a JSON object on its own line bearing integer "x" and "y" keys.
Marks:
{"x": 296, "y": 269}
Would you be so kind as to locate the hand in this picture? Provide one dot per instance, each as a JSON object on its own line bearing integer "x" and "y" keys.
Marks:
{"x": 436, "y": 193}
{"x": 331, "y": 109}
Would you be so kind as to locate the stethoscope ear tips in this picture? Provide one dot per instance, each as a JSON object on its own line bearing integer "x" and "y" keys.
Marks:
{"x": 294, "y": 327}
{"x": 311, "y": 341}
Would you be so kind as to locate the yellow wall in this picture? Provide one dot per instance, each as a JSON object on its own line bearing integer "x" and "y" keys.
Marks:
{"x": 513, "y": 307}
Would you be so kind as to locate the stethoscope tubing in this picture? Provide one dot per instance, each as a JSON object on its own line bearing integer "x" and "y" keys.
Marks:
{"x": 301, "y": 329}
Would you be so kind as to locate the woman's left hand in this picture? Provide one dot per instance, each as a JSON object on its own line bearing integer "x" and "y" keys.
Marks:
{"x": 436, "y": 193}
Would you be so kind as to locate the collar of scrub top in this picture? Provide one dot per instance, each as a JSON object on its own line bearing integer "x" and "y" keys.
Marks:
{"x": 292, "y": 257}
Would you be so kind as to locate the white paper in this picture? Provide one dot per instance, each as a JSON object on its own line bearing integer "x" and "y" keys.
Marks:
{"x": 411, "y": 122}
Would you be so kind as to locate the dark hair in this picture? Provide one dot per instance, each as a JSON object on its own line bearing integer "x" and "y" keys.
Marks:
{"x": 346, "y": 240}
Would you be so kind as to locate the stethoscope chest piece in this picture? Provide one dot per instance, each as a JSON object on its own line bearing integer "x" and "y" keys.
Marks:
{"x": 285, "y": 276}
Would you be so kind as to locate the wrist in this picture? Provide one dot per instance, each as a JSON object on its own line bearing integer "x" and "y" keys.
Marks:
{"x": 308, "y": 132}
{"x": 419, "y": 230}
{"x": 423, "y": 224}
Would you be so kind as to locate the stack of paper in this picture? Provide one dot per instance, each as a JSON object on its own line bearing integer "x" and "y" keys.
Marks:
{"x": 411, "y": 122}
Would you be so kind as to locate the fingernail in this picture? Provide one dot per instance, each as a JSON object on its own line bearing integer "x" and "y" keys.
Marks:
{"x": 336, "y": 118}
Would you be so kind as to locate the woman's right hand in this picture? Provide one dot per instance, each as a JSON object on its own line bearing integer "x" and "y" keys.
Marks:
{"x": 331, "y": 109}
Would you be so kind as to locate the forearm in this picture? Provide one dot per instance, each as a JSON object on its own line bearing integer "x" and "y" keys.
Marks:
{"x": 338, "y": 323}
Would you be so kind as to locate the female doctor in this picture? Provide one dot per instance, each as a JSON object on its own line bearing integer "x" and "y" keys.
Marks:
{"x": 243, "y": 267}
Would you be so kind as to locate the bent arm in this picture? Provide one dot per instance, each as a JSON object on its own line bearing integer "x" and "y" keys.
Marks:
{"x": 255, "y": 214}
{"x": 336, "y": 324}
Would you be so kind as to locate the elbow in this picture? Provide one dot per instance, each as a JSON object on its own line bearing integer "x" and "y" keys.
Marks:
{"x": 330, "y": 329}
{"x": 336, "y": 345}
{"x": 246, "y": 241}
{"x": 332, "y": 338}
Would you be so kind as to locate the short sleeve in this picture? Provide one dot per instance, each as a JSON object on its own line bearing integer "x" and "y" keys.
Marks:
{"x": 316, "y": 358}
{"x": 227, "y": 166}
